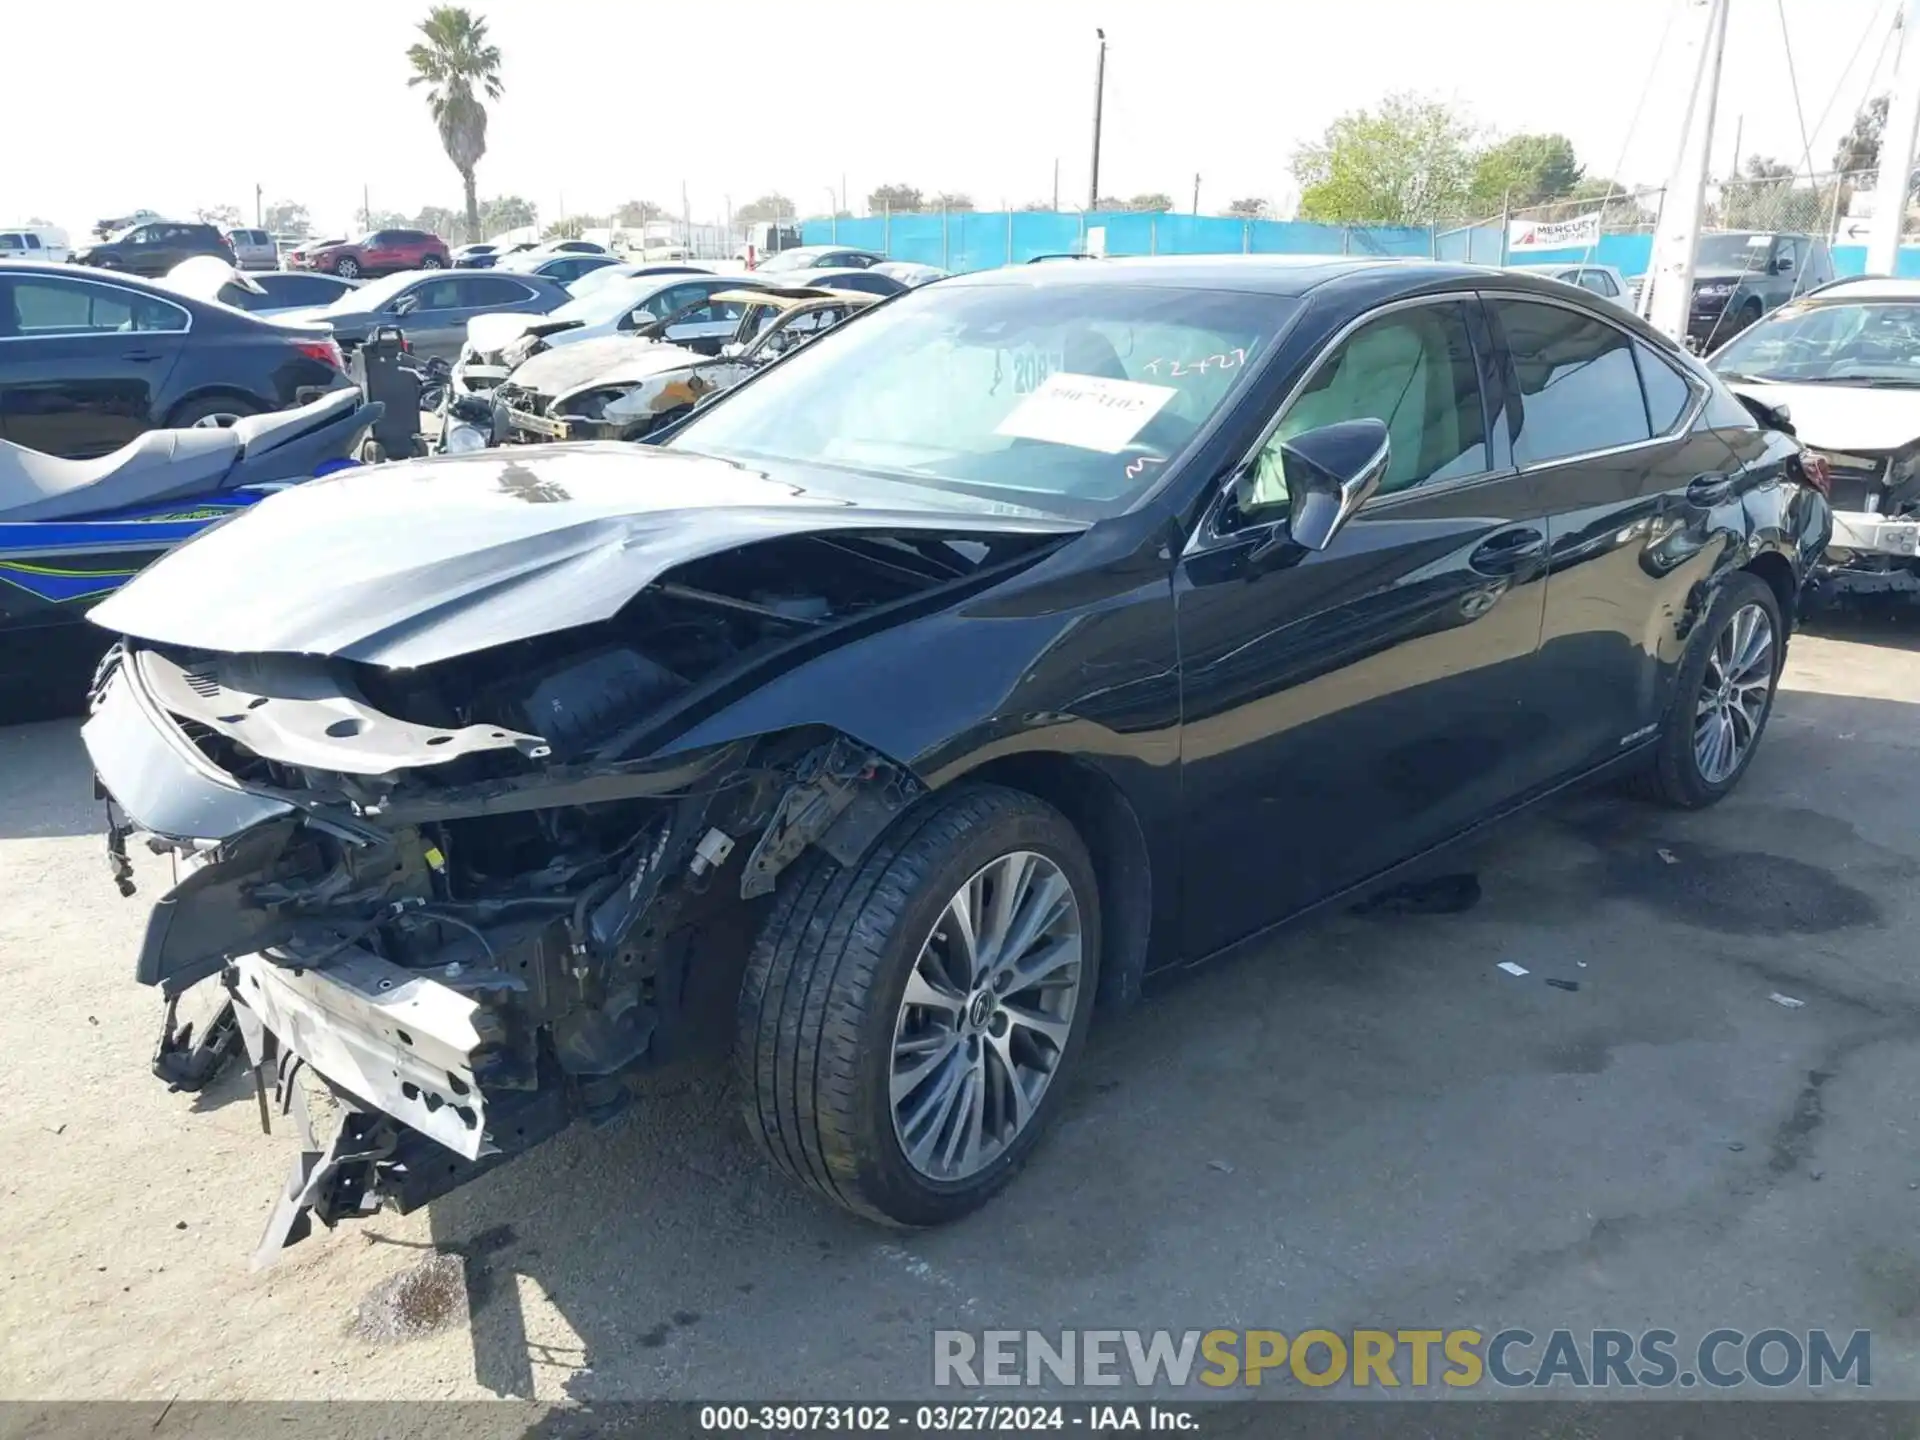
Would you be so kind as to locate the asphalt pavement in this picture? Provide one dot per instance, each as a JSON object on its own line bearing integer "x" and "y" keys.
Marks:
{"x": 1371, "y": 1124}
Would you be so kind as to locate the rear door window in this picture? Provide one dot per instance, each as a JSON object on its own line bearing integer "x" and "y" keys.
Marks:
{"x": 1578, "y": 389}
{"x": 480, "y": 292}
{"x": 1669, "y": 394}
{"x": 48, "y": 306}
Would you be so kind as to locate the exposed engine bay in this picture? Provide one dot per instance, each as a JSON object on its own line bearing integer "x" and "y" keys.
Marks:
{"x": 479, "y": 896}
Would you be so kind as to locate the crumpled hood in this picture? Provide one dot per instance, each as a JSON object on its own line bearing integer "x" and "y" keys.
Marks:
{"x": 618, "y": 359}
{"x": 1852, "y": 419}
{"x": 414, "y": 562}
{"x": 490, "y": 334}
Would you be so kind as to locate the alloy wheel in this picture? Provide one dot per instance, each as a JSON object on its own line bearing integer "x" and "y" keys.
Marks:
{"x": 985, "y": 1017}
{"x": 1733, "y": 694}
{"x": 224, "y": 420}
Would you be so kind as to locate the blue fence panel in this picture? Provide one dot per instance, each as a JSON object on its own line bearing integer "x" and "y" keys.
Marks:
{"x": 1297, "y": 237}
{"x": 1406, "y": 240}
{"x": 1046, "y": 233}
{"x": 1199, "y": 235}
{"x": 1471, "y": 245}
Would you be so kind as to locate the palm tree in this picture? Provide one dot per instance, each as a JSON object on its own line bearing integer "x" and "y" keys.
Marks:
{"x": 456, "y": 60}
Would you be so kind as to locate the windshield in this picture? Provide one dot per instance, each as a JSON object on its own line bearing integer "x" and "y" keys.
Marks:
{"x": 373, "y": 294}
{"x": 597, "y": 307}
{"x": 599, "y": 279}
{"x": 1732, "y": 252}
{"x": 1873, "y": 344}
{"x": 1071, "y": 397}
{"x": 790, "y": 260}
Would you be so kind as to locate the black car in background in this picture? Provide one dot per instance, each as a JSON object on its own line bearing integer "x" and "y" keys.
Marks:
{"x": 887, "y": 730}
{"x": 90, "y": 361}
{"x": 156, "y": 247}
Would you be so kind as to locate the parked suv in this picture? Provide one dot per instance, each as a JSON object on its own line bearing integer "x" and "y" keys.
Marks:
{"x": 156, "y": 247}
{"x": 384, "y": 252}
{"x": 1738, "y": 276}
{"x": 254, "y": 250}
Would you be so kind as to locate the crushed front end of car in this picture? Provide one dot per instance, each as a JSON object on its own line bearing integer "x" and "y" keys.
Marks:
{"x": 448, "y": 863}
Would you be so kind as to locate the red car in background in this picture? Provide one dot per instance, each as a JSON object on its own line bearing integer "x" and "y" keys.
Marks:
{"x": 384, "y": 252}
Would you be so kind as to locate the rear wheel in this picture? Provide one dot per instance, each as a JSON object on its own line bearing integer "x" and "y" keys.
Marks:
{"x": 1722, "y": 698}
{"x": 214, "y": 412}
{"x": 432, "y": 262}
{"x": 347, "y": 268}
{"x": 904, "y": 1025}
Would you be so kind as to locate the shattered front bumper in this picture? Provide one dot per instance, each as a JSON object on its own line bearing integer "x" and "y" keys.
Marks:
{"x": 403, "y": 1053}
{"x": 399, "y": 1052}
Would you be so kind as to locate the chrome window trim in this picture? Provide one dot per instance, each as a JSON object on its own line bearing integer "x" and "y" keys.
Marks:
{"x": 1674, "y": 431}
{"x": 186, "y": 329}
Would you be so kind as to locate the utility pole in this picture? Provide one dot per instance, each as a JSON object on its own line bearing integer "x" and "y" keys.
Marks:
{"x": 1670, "y": 276}
{"x": 1739, "y": 124}
{"x": 1896, "y": 150}
{"x": 366, "y": 208}
{"x": 1196, "y": 192}
{"x": 1099, "y": 103}
{"x": 686, "y": 215}
{"x": 259, "y": 215}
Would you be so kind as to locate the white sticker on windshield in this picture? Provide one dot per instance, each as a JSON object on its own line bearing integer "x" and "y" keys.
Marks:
{"x": 1087, "y": 411}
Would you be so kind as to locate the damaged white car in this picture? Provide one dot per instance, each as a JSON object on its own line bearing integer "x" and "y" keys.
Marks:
{"x": 627, "y": 387}
{"x": 622, "y": 307}
{"x": 1842, "y": 364}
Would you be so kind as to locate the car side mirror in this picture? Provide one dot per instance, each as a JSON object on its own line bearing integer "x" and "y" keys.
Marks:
{"x": 1330, "y": 473}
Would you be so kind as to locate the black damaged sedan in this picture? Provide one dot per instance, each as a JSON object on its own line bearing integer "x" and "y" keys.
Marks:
{"x": 902, "y": 709}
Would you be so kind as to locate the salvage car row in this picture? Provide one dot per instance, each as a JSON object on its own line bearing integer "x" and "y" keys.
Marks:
{"x": 921, "y": 683}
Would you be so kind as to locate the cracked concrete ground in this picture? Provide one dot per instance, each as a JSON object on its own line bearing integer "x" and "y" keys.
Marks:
{"x": 1368, "y": 1125}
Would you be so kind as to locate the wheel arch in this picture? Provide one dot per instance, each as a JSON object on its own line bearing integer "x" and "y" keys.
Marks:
{"x": 1105, "y": 819}
{"x": 217, "y": 391}
{"x": 1778, "y": 573}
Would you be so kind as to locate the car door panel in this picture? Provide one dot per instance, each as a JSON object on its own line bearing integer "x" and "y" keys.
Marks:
{"x": 1345, "y": 709}
{"x": 1627, "y": 545}
{"x": 72, "y": 382}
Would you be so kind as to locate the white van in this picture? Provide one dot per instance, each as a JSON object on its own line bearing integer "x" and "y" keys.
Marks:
{"x": 45, "y": 243}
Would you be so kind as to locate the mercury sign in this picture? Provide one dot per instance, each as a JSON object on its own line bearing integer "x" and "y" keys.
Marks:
{"x": 1553, "y": 234}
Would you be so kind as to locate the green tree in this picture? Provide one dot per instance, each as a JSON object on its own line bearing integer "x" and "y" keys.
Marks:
{"x": 636, "y": 213}
{"x": 950, "y": 200}
{"x": 371, "y": 220}
{"x": 1038, "y": 207}
{"x": 573, "y": 227}
{"x": 455, "y": 62}
{"x": 773, "y": 206}
{"x": 1858, "y": 153}
{"x": 1150, "y": 200}
{"x": 899, "y": 199}
{"x": 1248, "y": 209}
{"x": 1407, "y": 163}
{"x": 225, "y": 216}
{"x": 504, "y": 213}
{"x": 1524, "y": 170}
{"x": 438, "y": 220}
{"x": 288, "y": 217}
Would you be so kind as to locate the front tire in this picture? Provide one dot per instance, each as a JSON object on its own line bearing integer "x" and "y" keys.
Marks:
{"x": 432, "y": 262}
{"x": 905, "y": 1025}
{"x": 1722, "y": 697}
